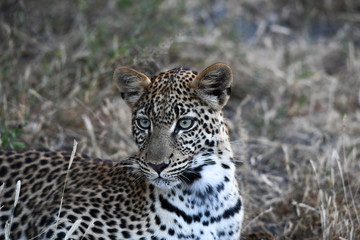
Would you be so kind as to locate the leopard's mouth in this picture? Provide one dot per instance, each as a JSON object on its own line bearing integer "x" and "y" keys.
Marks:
{"x": 169, "y": 176}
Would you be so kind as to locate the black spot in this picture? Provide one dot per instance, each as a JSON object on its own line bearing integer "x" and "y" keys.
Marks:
{"x": 225, "y": 166}
{"x": 3, "y": 171}
{"x": 16, "y": 165}
{"x": 210, "y": 143}
{"x": 24, "y": 219}
{"x": 123, "y": 223}
{"x": 233, "y": 210}
{"x": 43, "y": 220}
{"x": 96, "y": 223}
{"x": 94, "y": 212}
{"x": 112, "y": 230}
{"x": 126, "y": 234}
{"x": 10, "y": 159}
{"x": 157, "y": 220}
{"x": 209, "y": 190}
{"x": 197, "y": 217}
{"x": 86, "y": 218}
{"x": 62, "y": 214}
{"x": 97, "y": 230}
{"x": 171, "y": 232}
{"x": 171, "y": 208}
{"x": 43, "y": 161}
{"x": 4, "y": 218}
{"x": 49, "y": 234}
{"x": 220, "y": 187}
{"x": 61, "y": 235}
{"x": 111, "y": 223}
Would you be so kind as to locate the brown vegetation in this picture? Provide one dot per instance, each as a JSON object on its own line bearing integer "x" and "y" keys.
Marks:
{"x": 297, "y": 88}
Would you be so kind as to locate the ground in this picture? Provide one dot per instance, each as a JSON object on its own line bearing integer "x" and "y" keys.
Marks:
{"x": 296, "y": 86}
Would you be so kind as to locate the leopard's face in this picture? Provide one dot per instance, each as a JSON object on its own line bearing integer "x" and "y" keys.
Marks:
{"x": 177, "y": 121}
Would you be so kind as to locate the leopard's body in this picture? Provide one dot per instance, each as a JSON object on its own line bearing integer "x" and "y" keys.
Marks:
{"x": 181, "y": 185}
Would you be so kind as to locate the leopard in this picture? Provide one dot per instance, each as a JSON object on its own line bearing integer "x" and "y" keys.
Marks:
{"x": 181, "y": 184}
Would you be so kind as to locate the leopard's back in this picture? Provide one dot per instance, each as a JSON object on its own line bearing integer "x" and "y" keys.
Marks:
{"x": 92, "y": 188}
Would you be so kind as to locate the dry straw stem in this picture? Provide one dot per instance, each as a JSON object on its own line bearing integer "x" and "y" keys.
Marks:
{"x": 44, "y": 231}
{"x": 90, "y": 129}
{"x": 72, "y": 229}
{"x": 66, "y": 178}
{"x": 1, "y": 190}
{"x": 87, "y": 229}
{"x": 9, "y": 223}
{"x": 252, "y": 221}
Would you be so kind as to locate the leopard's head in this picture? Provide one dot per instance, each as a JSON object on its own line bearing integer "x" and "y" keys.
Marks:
{"x": 177, "y": 121}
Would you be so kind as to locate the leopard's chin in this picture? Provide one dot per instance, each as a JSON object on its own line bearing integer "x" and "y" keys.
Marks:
{"x": 164, "y": 183}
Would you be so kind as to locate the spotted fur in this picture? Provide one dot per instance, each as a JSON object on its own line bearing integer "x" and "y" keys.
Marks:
{"x": 181, "y": 185}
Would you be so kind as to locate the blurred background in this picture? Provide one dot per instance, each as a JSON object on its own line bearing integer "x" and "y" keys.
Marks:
{"x": 297, "y": 90}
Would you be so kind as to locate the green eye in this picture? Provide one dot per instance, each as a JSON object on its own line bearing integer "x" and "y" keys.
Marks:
{"x": 185, "y": 124}
{"x": 143, "y": 123}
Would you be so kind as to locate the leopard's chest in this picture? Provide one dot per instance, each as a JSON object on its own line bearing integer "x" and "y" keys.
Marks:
{"x": 187, "y": 215}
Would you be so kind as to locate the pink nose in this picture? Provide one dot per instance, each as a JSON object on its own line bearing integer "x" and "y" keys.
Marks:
{"x": 158, "y": 167}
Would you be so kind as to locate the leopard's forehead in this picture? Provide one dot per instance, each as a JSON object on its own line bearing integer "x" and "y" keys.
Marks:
{"x": 169, "y": 95}
{"x": 174, "y": 77}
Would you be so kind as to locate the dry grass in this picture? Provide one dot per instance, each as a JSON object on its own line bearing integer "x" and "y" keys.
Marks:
{"x": 297, "y": 88}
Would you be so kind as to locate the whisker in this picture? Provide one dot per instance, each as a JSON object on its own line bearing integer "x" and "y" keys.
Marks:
{"x": 137, "y": 180}
{"x": 183, "y": 178}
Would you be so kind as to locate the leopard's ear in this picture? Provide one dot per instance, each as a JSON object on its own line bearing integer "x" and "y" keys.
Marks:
{"x": 213, "y": 85}
{"x": 131, "y": 83}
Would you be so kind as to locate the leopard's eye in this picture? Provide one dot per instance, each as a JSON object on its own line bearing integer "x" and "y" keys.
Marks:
{"x": 185, "y": 123}
{"x": 143, "y": 123}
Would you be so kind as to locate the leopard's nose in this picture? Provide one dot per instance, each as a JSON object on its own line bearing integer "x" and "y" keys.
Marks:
{"x": 158, "y": 167}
